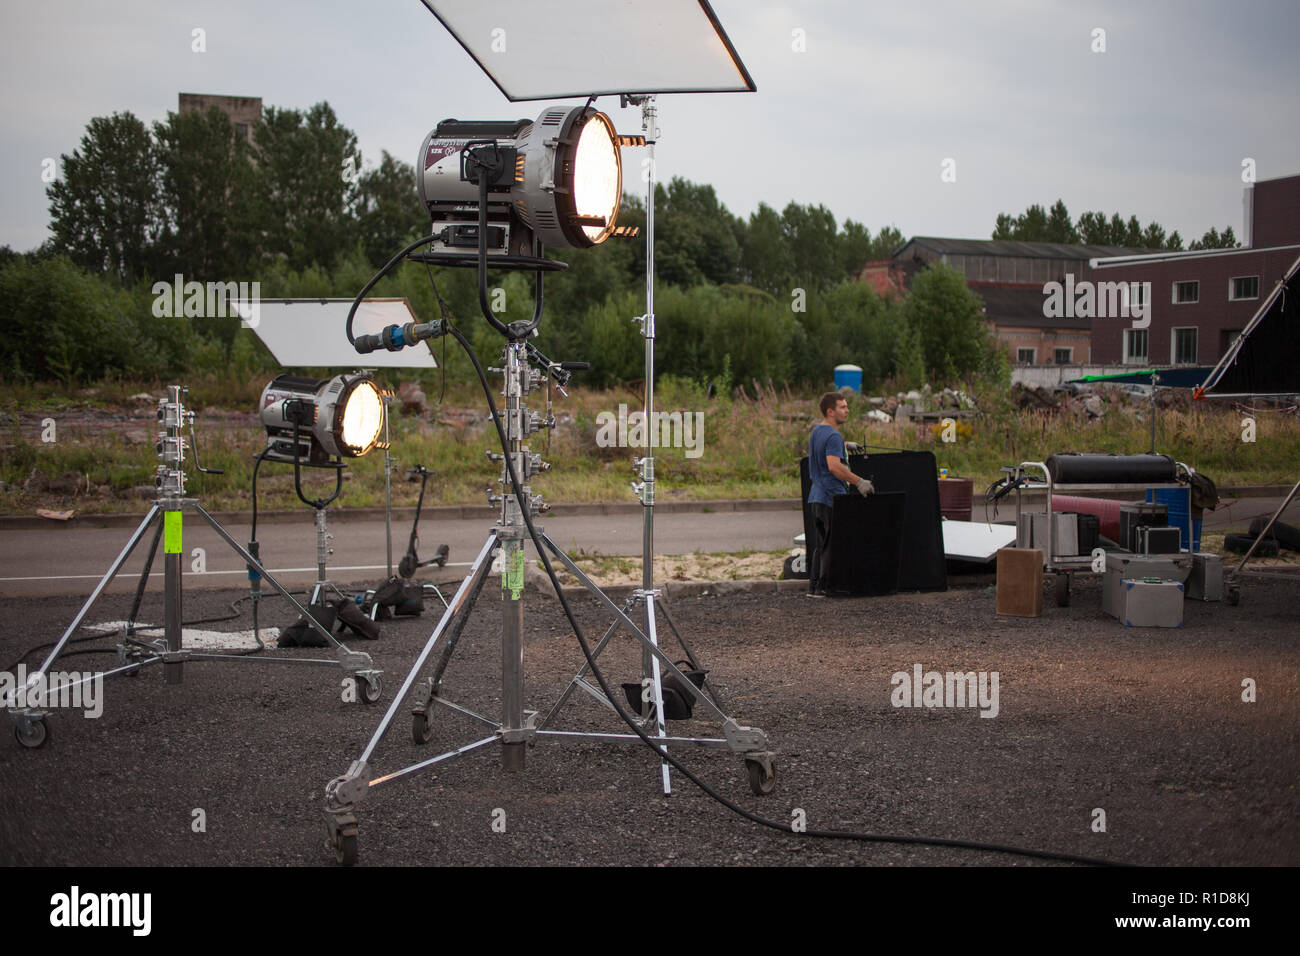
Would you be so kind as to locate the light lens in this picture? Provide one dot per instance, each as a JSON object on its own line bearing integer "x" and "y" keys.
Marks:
{"x": 363, "y": 418}
{"x": 597, "y": 176}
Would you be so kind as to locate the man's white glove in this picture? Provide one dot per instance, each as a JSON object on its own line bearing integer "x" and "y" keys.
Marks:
{"x": 865, "y": 487}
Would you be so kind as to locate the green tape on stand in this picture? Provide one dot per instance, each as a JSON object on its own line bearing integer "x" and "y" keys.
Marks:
{"x": 172, "y": 532}
{"x": 513, "y": 579}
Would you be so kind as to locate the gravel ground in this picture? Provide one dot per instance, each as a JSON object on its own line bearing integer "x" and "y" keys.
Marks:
{"x": 1146, "y": 724}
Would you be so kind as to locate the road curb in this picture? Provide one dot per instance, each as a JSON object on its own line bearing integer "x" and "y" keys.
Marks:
{"x": 405, "y": 515}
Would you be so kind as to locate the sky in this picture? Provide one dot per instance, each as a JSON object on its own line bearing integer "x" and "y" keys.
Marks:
{"x": 932, "y": 117}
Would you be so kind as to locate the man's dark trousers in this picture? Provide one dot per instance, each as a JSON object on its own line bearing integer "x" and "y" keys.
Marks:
{"x": 819, "y": 555}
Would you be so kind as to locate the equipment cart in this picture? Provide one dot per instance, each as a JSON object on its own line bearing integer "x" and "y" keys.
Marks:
{"x": 1063, "y": 567}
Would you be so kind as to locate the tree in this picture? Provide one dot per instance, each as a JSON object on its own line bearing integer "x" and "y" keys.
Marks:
{"x": 766, "y": 260}
{"x": 1217, "y": 240}
{"x": 389, "y": 212}
{"x": 104, "y": 210}
{"x": 1029, "y": 226}
{"x": 812, "y": 238}
{"x": 949, "y": 319}
{"x": 1092, "y": 228}
{"x": 206, "y": 193}
{"x": 1058, "y": 227}
{"x": 308, "y": 168}
{"x": 695, "y": 236}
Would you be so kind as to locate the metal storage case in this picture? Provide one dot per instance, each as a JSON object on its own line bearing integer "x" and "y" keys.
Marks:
{"x": 1168, "y": 567}
{"x": 1151, "y": 603}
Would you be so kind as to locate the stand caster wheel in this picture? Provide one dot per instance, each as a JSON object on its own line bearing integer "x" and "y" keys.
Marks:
{"x": 371, "y": 688}
{"x": 1234, "y": 596}
{"x": 31, "y": 735}
{"x": 421, "y": 727}
{"x": 345, "y": 845}
{"x": 1062, "y": 590}
{"x": 760, "y": 781}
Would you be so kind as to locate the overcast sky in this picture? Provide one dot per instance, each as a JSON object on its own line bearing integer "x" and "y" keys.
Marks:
{"x": 860, "y": 120}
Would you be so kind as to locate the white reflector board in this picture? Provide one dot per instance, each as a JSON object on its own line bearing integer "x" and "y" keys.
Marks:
{"x": 975, "y": 540}
{"x": 311, "y": 333}
{"x": 551, "y": 49}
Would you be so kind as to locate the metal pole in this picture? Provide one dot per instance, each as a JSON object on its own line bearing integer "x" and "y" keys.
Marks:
{"x": 512, "y": 575}
{"x": 388, "y": 487}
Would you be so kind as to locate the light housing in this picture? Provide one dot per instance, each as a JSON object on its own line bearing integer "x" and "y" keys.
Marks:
{"x": 557, "y": 180}
{"x": 339, "y": 417}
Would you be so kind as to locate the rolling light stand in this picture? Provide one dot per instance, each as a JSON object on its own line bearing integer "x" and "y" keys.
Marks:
{"x": 517, "y": 727}
{"x": 166, "y": 516}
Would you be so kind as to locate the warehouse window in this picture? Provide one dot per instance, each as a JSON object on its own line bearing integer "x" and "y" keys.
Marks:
{"x": 1135, "y": 346}
{"x": 1063, "y": 356}
{"x": 1026, "y": 356}
{"x": 1183, "y": 346}
{"x": 1186, "y": 293}
{"x": 1244, "y": 287}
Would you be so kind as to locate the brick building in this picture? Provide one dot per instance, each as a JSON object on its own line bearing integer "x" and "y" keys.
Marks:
{"x": 1201, "y": 300}
{"x": 1009, "y": 276}
{"x": 244, "y": 111}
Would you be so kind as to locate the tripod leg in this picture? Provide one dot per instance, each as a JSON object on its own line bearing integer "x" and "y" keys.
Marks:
{"x": 454, "y": 632}
{"x": 111, "y": 573}
{"x": 662, "y": 605}
{"x": 568, "y": 691}
{"x": 512, "y": 654}
{"x": 270, "y": 579}
{"x": 144, "y": 579}
{"x": 590, "y": 585}
{"x": 657, "y": 687}
{"x": 461, "y": 599}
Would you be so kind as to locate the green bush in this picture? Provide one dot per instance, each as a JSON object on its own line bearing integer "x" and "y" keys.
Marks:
{"x": 57, "y": 322}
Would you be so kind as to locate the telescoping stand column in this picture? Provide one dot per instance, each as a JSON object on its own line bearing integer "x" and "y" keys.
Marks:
{"x": 482, "y": 162}
{"x": 166, "y": 518}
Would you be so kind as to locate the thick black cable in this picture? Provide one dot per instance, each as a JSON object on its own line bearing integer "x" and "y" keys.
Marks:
{"x": 663, "y": 753}
{"x": 106, "y": 650}
{"x": 374, "y": 280}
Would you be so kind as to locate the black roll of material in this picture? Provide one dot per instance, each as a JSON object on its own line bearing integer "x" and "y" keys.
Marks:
{"x": 1089, "y": 469}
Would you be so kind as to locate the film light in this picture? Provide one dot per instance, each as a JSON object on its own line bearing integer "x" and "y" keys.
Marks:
{"x": 311, "y": 421}
{"x": 557, "y": 179}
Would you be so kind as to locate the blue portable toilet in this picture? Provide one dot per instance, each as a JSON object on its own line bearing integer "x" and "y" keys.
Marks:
{"x": 850, "y": 376}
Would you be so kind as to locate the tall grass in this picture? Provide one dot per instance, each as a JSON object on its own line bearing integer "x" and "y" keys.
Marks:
{"x": 753, "y": 438}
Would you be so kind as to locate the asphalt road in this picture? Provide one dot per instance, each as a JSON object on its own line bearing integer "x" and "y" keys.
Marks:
{"x": 57, "y": 559}
{"x": 70, "y": 559}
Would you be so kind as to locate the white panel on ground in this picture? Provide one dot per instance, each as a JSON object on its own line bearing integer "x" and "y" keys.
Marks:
{"x": 975, "y": 540}
{"x": 194, "y": 639}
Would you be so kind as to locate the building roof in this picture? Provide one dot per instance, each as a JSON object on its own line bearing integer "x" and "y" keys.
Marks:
{"x": 1107, "y": 262}
{"x": 1021, "y": 306}
{"x": 1011, "y": 247}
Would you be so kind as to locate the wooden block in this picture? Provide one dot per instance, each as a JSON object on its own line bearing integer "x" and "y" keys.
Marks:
{"x": 1020, "y": 582}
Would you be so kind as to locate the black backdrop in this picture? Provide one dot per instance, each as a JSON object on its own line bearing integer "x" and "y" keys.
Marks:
{"x": 915, "y": 473}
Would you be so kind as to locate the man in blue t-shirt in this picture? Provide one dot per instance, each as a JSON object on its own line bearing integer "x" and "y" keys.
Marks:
{"x": 828, "y": 473}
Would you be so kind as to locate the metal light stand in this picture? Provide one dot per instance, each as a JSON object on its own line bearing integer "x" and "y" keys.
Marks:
{"x": 518, "y": 727}
{"x": 166, "y": 516}
{"x": 761, "y": 766}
